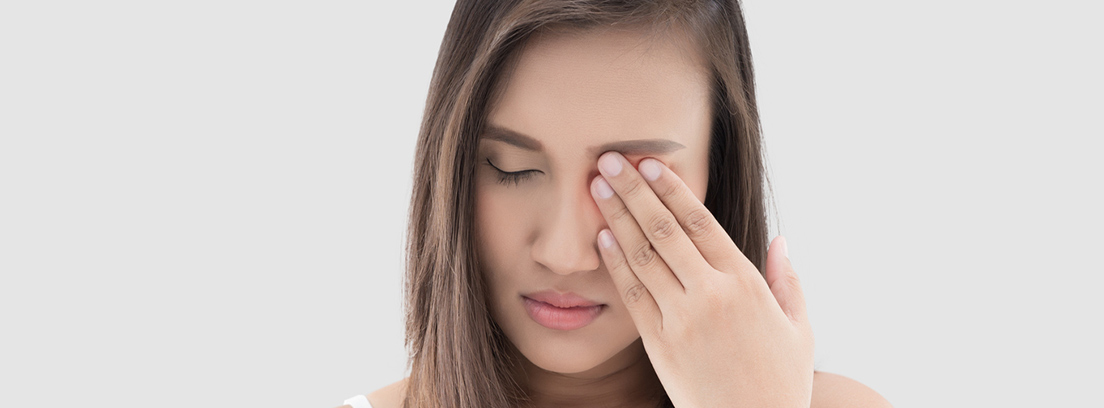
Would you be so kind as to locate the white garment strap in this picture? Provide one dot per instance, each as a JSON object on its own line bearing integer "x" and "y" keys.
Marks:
{"x": 358, "y": 401}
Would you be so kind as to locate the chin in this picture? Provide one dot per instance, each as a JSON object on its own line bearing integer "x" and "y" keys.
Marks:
{"x": 553, "y": 360}
{"x": 571, "y": 355}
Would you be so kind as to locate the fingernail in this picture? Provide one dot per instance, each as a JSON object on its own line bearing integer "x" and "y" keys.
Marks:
{"x": 603, "y": 188}
{"x": 605, "y": 237}
{"x": 649, "y": 168}
{"x": 785, "y": 250}
{"x": 609, "y": 164}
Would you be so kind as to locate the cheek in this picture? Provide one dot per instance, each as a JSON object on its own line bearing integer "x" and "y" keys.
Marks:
{"x": 500, "y": 223}
{"x": 499, "y": 216}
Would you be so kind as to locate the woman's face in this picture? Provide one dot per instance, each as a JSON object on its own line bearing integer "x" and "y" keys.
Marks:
{"x": 572, "y": 97}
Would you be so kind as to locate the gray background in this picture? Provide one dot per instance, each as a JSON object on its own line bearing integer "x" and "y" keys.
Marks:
{"x": 202, "y": 203}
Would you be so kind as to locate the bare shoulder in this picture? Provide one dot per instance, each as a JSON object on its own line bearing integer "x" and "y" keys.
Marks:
{"x": 829, "y": 391}
{"x": 389, "y": 396}
{"x": 836, "y": 391}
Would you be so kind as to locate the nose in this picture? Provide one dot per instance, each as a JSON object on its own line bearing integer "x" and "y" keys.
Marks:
{"x": 567, "y": 241}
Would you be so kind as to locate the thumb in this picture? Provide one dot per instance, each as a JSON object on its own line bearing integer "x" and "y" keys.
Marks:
{"x": 783, "y": 281}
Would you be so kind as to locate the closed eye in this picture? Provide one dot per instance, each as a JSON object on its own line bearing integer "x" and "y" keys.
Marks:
{"x": 515, "y": 177}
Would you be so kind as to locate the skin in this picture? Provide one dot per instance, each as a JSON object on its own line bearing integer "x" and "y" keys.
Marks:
{"x": 540, "y": 233}
{"x": 696, "y": 317}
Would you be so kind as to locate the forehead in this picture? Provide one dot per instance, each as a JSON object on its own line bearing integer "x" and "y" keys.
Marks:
{"x": 574, "y": 89}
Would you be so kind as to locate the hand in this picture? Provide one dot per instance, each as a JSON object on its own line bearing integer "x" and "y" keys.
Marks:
{"x": 717, "y": 333}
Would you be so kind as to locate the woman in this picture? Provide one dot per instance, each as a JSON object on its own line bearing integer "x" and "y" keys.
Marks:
{"x": 587, "y": 226}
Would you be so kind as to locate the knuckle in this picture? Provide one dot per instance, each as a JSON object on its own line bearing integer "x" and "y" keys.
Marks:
{"x": 618, "y": 263}
{"x": 750, "y": 279}
{"x": 642, "y": 255}
{"x": 621, "y": 215}
{"x": 712, "y": 294}
{"x": 663, "y": 228}
{"x": 634, "y": 293}
{"x": 632, "y": 188}
{"x": 699, "y": 223}
{"x": 792, "y": 283}
{"x": 669, "y": 189}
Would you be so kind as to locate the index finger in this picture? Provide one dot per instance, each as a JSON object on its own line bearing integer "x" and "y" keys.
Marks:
{"x": 713, "y": 242}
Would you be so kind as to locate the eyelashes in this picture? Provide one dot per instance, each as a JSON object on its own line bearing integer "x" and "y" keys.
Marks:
{"x": 512, "y": 177}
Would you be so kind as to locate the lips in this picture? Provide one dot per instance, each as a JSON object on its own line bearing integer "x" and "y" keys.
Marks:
{"x": 561, "y": 300}
{"x": 558, "y": 311}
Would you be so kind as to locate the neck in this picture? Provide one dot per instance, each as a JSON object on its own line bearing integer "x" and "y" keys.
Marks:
{"x": 626, "y": 379}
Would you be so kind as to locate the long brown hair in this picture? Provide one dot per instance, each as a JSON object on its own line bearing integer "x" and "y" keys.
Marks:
{"x": 458, "y": 355}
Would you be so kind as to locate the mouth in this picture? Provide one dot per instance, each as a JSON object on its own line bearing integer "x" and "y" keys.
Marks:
{"x": 561, "y": 300}
{"x": 561, "y": 311}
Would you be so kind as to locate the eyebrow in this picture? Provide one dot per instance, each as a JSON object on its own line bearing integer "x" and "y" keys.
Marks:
{"x": 627, "y": 147}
